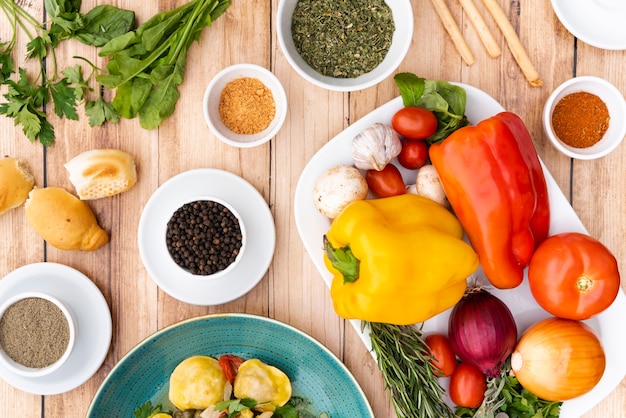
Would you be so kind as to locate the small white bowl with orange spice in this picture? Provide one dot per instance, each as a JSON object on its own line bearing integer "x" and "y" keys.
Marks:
{"x": 585, "y": 117}
{"x": 245, "y": 105}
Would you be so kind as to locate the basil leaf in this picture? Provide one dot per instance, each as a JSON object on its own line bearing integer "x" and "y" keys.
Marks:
{"x": 103, "y": 23}
{"x": 411, "y": 88}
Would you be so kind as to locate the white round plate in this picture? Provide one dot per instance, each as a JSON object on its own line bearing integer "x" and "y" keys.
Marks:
{"x": 312, "y": 226}
{"x": 256, "y": 216}
{"x": 599, "y": 23}
{"x": 93, "y": 322}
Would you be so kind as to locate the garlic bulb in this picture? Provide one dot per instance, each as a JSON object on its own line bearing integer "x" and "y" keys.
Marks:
{"x": 375, "y": 147}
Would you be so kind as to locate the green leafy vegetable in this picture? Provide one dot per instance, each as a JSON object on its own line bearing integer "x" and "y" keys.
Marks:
{"x": 445, "y": 100}
{"x": 155, "y": 52}
{"x": 147, "y": 410}
{"x": 518, "y": 402}
{"x": 27, "y": 99}
{"x": 234, "y": 406}
{"x": 403, "y": 359}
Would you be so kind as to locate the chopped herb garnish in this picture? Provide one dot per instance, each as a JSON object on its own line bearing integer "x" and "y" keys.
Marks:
{"x": 342, "y": 38}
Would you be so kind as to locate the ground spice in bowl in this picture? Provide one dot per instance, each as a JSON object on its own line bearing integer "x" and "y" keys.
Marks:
{"x": 204, "y": 237}
{"x": 580, "y": 119}
{"x": 247, "y": 106}
{"x": 34, "y": 332}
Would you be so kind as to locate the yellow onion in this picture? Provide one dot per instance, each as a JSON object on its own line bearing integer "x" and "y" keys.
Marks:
{"x": 558, "y": 359}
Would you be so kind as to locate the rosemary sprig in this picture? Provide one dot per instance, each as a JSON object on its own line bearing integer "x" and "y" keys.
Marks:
{"x": 403, "y": 359}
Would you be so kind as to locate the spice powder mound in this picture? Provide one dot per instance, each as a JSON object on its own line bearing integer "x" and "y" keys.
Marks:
{"x": 247, "y": 106}
{"x": 34, "y": 332}
{"x": 580, "y": 119}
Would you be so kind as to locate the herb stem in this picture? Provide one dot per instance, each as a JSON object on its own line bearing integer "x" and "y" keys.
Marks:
{"x": 404, "y": 361}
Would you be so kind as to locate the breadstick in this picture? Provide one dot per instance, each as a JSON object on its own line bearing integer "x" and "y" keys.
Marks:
{"x": 515, "y": 45}
{"x": 493, "y": 49}
{"x": 453, "y": 30}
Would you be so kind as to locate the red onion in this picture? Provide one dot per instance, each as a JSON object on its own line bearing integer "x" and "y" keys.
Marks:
{"x": 482, "y": 331}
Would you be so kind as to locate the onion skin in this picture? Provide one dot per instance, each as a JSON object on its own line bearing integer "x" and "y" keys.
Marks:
{"x": 558, "y": 359}
{"x": 482, "y": 331}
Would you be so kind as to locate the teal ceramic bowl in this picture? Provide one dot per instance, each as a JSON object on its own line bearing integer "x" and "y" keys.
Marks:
{"x": 315, "y": 373}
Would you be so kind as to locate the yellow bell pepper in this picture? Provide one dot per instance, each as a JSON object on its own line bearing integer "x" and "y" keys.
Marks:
{"x": 397, "y": 260}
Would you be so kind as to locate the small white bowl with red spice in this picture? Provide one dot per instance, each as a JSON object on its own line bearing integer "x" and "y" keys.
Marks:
{"x": 37, "y": 334}
{"x": 245, "y": 105}
{"x": 585, "y": 117}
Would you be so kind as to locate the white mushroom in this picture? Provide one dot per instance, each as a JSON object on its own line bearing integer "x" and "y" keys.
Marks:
{"x": 429, "y": 185}
{"x": 338, "y": 187}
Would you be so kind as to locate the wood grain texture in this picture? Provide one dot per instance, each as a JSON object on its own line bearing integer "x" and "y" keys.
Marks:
{"x": 292, "y": 290}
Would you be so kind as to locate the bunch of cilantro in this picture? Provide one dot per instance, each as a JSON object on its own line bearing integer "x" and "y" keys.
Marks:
{"x": 27, "y": 99}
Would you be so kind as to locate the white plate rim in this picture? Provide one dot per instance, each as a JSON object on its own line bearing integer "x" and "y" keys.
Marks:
{"x": 479, "y": 106}
{"x": 260, "y": 236}
{"x": 91, "y": 313}
{"x": 606, "y": 28}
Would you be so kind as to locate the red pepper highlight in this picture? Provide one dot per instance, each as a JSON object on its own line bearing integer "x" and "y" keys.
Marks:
{"x": 495, "y": 183}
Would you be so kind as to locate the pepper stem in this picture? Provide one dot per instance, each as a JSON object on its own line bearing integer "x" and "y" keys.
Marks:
{"x": 343, "y": 260}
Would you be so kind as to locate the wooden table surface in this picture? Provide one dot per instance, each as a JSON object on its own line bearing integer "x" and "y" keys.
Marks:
{"x": 292, "y": 290}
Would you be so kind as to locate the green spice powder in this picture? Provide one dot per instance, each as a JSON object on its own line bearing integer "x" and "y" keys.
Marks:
{"x": 342, "y": 38}
{"x": 34, "y": 332}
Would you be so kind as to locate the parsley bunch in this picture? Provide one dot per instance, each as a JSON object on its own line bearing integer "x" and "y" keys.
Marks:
{"x": 518, "y": 402}
{"x": 27, "y": 98}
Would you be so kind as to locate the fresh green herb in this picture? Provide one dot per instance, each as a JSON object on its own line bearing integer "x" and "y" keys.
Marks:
{"x": 445, "y": 100}
{"x": 147, "y": 410}
{"x": 27, "y": 99}
{"x": 403, "y": 359}
{"x": 234, "y": 407}
{"x": 342, "y": 38}
{"x": 517, "y": 402}
{"x": 295, "y": 408}
{"x": 147, "y": 65}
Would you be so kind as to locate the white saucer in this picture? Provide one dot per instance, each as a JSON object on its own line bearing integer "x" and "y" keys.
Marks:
{"x": 254, "y": 212}
{"x": 93, "y": 321}
{"x": 599, "y": 23}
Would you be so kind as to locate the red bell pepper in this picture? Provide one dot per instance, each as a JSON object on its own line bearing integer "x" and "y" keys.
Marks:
{"x": 494, "y": 181}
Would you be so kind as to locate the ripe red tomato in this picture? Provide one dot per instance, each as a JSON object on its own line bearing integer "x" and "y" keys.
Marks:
{"x": 573, "y": 276}
{"x": 386, "y": 182}
{"x": 444, "y": 360}
{"x": 414, "y": 154}
{"x": 230, "y": 364}
{"x": 467, "y": 386}
{"x": 414, "y": 122}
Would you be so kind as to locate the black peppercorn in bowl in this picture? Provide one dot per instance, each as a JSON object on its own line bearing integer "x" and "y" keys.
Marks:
{"x": 584, "y": 117}
{"x": 345, "y": 45}
{"x": 205, "y": 237}
{"x": 37, "y": 334}
{"x": 258, "y": 238}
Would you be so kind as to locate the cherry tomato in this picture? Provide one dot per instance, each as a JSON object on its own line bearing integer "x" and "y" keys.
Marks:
{"x": 386, "y": 182}
{"x": 573, "y": 276}
{"x": 414, "y": 122}
{"x": 444, "y": 360}
{"x": 467, "y": 386}
{"x": 230, "y": 365}
{"x": 414, "y": 154}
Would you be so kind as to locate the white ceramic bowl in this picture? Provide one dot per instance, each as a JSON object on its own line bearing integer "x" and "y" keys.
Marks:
{"x": 240, "y": 255}
{"x": 403, "y": 19}
{"x": 22, "y": 370}
{"x": 617, "y": 113}
{"x": 212, "y": 99}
